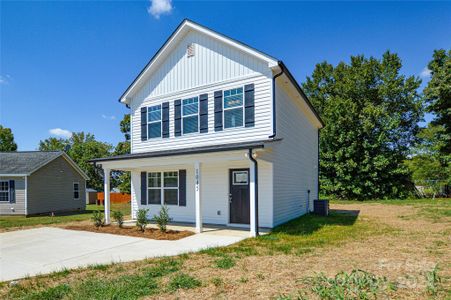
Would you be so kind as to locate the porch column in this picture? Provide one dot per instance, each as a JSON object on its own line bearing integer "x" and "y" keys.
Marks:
{"x": 106, "y": 201}
{"x": 197, "y": 179}
{"x": 253, "y": 224}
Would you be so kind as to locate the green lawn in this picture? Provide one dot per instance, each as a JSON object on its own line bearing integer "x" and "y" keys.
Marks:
{"x": 9, "y": 222}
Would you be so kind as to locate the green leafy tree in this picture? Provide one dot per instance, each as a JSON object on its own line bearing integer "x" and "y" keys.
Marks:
{"x": 7, "y": 140}
{"x": 124, "y": 178}
{"x": 428, "y": 165}
{"x": 53, "y": 144}
{"x": 82, "y": 147}
{"x": 371, "y": 113}
{"x": 438, "y": 95}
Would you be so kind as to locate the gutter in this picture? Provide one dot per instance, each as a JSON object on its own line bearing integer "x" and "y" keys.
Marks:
{"x": 255, "y": 189}
{"x": 273, "y": 135}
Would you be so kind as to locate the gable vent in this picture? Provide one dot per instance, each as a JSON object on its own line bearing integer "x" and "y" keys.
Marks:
{"x": 190, "y": 50}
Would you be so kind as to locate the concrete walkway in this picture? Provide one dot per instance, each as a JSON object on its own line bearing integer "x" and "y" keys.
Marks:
{"x": 48, "y": 249}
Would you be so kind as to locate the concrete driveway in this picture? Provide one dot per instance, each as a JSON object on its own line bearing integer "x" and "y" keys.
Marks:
{"x": 48, "y": 249}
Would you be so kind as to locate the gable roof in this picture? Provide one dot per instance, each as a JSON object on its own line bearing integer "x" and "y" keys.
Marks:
{"x": 185, "y": 26}
{"x": 25, "y": 163}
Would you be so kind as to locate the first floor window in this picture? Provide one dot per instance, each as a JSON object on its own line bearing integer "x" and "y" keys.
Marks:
{"x": 233, "y": 108}
{"x": 154, "y": 121}
{"x": 163, "y": 187}
{"x": 154, "y": 186}
{"x": 4, "y": 191}
{"x": 76, "y": 190}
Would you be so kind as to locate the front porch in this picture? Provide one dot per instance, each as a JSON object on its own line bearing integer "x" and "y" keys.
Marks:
{"x": 218, "y": 188}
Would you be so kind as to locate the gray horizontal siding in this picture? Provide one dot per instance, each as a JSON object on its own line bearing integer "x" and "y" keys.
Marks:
{"x": 17, "y": 208}
{"x": 50, "y": 189}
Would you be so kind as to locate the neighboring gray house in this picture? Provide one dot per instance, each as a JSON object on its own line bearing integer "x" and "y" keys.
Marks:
{"x": 36, "y": 182}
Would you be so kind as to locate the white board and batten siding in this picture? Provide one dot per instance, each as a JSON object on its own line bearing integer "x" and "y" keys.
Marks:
{"x": 295, "y": 159}
{"x": 214, "y": 193}
{"x": 181, "y": 77}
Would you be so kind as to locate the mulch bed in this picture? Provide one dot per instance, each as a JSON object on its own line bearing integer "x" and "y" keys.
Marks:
{"x": 150, "y": 233}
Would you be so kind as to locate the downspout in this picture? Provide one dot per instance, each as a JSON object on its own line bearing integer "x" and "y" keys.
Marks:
{"x": 317, "y": 167}
{"x": 273, "y": 135}
{"x": 255, "y": 188}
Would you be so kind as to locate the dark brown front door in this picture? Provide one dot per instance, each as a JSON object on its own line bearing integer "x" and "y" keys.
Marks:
{"x": 239, "y": 196}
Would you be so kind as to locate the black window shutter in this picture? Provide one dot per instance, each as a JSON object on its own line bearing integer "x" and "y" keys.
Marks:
{"x": 143, "y": 123}
{"x": 12, "y": 191}
{"x": 143, "y": 188}
{"x": 178, "y": 117}
{"x": 165, "y": 119}
{"x": 182, "y": 187}
{"x": 249, "y": 107}
{"x": 218, "y": 111}
{"x": 203, "y": 112}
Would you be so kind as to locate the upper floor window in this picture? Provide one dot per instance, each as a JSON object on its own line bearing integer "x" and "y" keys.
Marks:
{"x": 4, "y": 191}
{"x": 154, "y": 121}
{"x": 190, "y": 115}
{"x": 233, "y": 108}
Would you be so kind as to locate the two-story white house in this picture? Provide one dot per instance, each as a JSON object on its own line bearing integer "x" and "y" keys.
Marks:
{"x": 221, "y": 133}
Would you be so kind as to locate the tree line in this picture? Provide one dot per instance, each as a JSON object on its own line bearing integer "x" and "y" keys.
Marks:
{"x": 371, "y": 147}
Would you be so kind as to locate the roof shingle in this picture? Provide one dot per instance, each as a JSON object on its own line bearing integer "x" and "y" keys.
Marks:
{"x": 25, "y": 162}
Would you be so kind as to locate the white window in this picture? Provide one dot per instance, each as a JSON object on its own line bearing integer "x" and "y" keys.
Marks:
{"x": 4, "y": 191}
{"x": 190, "y": 115}
{"x": 163, "y": 188}
{"x": 233, "y": 108}
{"x": 76, "y": 191}
{"x": 240, "y": 178}
{"x": 154, "y": 121}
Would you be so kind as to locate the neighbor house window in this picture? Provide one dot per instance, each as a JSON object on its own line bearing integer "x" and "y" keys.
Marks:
{"x": 4, "y": 191}
{"x": 163, "y": 187}
{"x": 190, "y": 115}
{"x": 154, "y": 121}
{"x": 233, "y": 108}
{"x": 76, "y": 190}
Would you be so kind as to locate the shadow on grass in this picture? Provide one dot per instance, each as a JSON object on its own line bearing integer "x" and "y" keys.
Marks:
{"x": 311, "y": 223}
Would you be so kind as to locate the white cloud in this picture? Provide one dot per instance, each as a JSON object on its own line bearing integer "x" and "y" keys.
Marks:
{"x": 61, "y": 132}
{"x": 109, "y": 117}
{"x": 5, "y": 79}
{"x": 160, "y": 7}
{"x": 426, "y": 73}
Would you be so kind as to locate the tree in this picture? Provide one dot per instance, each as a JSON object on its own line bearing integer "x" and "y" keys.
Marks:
{"x": 371, "y": 113}
{"x": 428, "y": 165}
{"x": 7, "y": 140}
{"x": 82, "y": 147}
{"x": 53, "y": 144}
{"x": 124, "y": 178}
{"x": 438, "y": 94}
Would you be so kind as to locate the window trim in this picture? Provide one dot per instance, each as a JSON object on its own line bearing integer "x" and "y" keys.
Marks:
{"x": 231, "y": 108}
{"x": 191, "y": 115}
{"x": 162, "y": 188}
{"x": 7, "y": 191}
{"x": 73, "y": 190}
{"x": 153, "y": 122}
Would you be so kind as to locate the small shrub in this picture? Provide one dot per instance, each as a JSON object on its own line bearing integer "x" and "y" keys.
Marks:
{"x": 225, "y": 262}
{"x": 141, "y": 219}
{"x": 162, "y": 219}
{"x": 118, "y": 216}
{"x": 183, "y": 281}
{"x": 98, "y": 219}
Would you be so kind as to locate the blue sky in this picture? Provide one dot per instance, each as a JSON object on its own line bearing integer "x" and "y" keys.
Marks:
{"x": 63, "y": 65}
